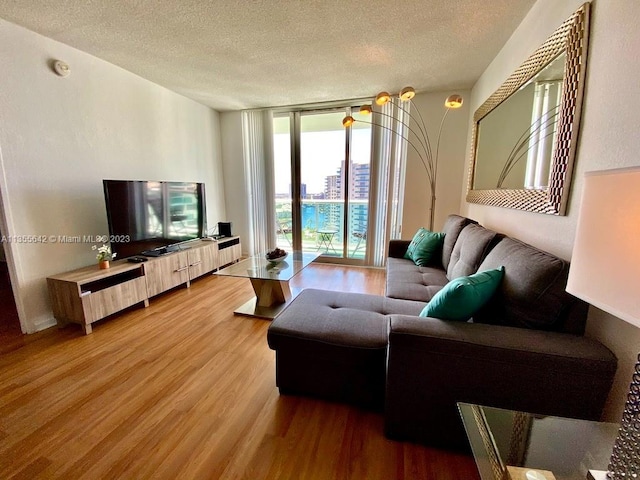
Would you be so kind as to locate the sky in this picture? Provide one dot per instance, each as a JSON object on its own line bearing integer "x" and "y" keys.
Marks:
{"x": 322, "y": 153}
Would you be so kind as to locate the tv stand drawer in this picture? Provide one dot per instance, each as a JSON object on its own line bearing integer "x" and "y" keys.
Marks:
{"x": 113, "y": 299}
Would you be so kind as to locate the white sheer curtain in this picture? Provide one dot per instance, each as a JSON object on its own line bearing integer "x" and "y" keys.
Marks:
{"x": 389, "y": 153}
{"x": 257, "y": 139}
{"x": 546, "y": 101}
{"x": 398, "y": 169}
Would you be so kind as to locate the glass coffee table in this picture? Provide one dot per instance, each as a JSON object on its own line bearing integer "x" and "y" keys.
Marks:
{"x": 270, "y": 281}
{"x": 509, "y": 445}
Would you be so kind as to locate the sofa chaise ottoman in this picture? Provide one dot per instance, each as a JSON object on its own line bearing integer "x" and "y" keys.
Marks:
{"x": 524, "y": 350}
{"x": 335, "y": 346}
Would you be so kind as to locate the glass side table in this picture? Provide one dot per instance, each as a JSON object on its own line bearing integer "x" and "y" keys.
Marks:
{"x": 508, "y": 445}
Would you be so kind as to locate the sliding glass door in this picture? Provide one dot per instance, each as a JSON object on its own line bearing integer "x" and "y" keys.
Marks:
{"x": 322, "y": 176}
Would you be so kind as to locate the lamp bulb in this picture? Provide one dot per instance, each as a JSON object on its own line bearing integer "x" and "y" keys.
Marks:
{"x": 407, "y": 93}
{"x": 383, "y": 98}
{"x": 365, "y": 109}
{"x": 453, "y": 101}
{"x": 347, "y": 121}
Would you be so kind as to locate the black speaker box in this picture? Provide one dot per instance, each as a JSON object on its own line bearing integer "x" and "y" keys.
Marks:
{"x": 224, "y": 229}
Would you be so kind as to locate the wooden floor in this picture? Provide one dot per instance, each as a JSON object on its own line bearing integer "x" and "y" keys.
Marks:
{"x": 185, "y": 389}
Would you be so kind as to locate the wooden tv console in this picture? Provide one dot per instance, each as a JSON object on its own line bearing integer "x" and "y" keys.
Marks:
{"x": 88, "y": 294}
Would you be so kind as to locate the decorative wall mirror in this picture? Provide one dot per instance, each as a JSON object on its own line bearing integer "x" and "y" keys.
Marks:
{"x": 525, "y": 134}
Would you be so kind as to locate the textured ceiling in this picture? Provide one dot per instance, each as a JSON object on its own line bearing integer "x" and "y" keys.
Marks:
{"x": 241, "y": 54}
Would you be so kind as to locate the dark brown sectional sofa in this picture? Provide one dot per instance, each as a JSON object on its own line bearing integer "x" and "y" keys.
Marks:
{"x": 524, "y": 350}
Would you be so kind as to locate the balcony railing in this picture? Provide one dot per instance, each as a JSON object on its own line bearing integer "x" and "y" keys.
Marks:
{"x": 323, "y": 226}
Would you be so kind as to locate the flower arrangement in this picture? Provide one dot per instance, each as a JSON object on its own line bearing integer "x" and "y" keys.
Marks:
{"x": 104, "y": 253}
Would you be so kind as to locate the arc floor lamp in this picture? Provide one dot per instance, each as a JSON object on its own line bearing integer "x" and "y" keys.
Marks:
{"x": 419, "y": 140}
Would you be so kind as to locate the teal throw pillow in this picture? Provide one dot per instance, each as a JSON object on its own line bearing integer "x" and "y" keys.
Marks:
{"x": 462, "y": 297}
{"x": 424, "y": 246}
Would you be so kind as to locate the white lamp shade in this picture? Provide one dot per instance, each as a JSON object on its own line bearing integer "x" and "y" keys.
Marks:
{"x": 605, "y": 265}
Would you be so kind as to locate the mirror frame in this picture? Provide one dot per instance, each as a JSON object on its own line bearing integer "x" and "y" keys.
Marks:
{"x": 572, "y": 38}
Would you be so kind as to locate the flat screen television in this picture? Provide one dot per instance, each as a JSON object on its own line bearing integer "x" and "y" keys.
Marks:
{"x": 153, "y": 218}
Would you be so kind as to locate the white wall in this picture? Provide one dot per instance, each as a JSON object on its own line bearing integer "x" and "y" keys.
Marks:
{"x": 59, "y": 137}
{"x": 451, "y": 163}
{"x": 608, "y": 139}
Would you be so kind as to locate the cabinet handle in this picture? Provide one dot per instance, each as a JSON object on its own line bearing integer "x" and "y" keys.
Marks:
{"x": 195, "y": 264}
{"x": 181, "y": 269}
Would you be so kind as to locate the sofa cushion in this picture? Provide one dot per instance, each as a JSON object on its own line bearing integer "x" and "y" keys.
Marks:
{"x": 424, "y": 247}
{"x": 340, "y": 318}
{"x": 532, "y": 293}
{"x": 472, "y": 246}
{"x": 451, "y": 229}
{"x": 408, "y": 281}
{"x": 462, "y": 297}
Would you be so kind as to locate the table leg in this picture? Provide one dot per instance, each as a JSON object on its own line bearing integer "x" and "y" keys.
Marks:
{"x": 271, "y": 292}
{"x": 321, "y": 241}
{"x": 326, "y": 240}
{"x": 272, "y": 296}
{"x": 330, "y": 245}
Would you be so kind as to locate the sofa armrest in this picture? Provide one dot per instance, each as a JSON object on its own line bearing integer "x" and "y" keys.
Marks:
{"x": 433, "y": 364}
{"x": 397, "y": 248}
